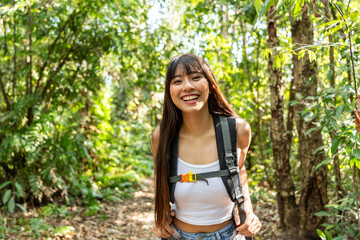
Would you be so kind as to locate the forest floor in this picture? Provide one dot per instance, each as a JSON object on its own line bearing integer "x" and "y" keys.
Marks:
{"x": 129, "y": 219}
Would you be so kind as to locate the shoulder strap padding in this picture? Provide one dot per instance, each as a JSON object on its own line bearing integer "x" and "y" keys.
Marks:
{"x": 221, "y": 151}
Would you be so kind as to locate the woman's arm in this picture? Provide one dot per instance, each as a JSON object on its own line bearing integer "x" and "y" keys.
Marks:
{"x": 252, "y": 224}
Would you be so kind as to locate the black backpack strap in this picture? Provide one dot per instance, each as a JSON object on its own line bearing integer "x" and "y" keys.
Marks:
{"x": 231, "y": 160}
{"x": 173, "y": 164}
{"x": 221, "y": 151}
{"x": 231, "y": 163}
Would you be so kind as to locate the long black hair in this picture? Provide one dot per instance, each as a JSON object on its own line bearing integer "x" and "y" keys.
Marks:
{"x": 172, "y": 120}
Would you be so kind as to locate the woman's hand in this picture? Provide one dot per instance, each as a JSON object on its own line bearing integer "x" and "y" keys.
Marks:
{"x": 250, "y": 227}
{"x": 166, "y": 231}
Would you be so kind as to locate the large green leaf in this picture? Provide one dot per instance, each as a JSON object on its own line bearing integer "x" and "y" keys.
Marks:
{"x": 11, "y": 204}
{"x": 6, "y": 196}
{"x": 4, "y": 184}
{"x": 257, "y": 4}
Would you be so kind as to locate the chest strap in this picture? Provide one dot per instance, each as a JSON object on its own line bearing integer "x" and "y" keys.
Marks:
{"x": 193, "y": 177}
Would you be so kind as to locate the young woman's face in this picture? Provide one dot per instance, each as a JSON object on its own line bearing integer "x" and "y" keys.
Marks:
{"x": 189, "y": 92}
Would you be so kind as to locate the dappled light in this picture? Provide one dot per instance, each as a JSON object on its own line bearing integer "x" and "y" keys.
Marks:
{"x": 82, "y": 90}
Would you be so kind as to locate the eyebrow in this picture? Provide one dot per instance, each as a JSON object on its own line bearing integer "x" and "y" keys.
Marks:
{"x": 193, "y": 72}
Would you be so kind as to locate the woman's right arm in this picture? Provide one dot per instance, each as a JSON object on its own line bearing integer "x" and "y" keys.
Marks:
{"x": 165, "y": 231}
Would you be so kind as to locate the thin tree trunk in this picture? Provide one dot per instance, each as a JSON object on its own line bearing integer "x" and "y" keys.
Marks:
{"x": 340, "y": 191}
{"x": 314, "y": 182}
{"x": 29, "y": 90}
{"x": 348, "y": 62}
{"x": 3, "y": 91}
{"x": 290, "y": 118}
{"x": 259, "y": 117}
{"x": 14, "y": 57}
{"x": 287, "y": 208}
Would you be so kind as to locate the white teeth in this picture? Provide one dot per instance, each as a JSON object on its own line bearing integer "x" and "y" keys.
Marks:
{"x": 191, "y": 97}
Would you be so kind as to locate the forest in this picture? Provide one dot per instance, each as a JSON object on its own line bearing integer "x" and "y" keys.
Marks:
{"x": 81, "y": 90}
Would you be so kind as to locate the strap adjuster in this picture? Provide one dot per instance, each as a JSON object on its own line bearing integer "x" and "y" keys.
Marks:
{"x": 189, "y": 177}
{"x": 233, "y": 170}
{"x": 240, "y": 200}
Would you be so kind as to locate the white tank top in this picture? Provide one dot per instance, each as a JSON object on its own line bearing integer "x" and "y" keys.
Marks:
{"x": 198, "y": 203}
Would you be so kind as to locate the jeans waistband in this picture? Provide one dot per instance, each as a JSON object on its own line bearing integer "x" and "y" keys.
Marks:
{"x": 224, "y": 233}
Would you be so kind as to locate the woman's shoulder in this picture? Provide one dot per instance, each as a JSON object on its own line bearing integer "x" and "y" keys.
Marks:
{"x": 156, "y": 134}
{"x": 243, "y": 132}
{"x": 242, "y": 125}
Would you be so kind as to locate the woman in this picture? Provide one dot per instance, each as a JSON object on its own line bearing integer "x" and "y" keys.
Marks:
{"x": 192, "y": 95}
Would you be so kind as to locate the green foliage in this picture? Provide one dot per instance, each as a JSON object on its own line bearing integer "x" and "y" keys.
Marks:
{"x": 341, "y": 221}
{"x": 81, "y": 88}
{"x": 64, "y": 230}
{"x": 37, "y": 225}
{"x": 59, "y": 132}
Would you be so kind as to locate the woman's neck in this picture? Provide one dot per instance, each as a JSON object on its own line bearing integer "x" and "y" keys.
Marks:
{"x": 196, "y": 124}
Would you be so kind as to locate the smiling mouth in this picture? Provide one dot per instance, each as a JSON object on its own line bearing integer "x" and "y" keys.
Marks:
{"x": 190, "y": 97}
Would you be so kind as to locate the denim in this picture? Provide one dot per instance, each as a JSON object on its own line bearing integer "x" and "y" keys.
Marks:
{"x": 226, "y": 233}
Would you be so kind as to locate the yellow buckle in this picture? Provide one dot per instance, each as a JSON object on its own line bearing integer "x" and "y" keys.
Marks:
{"x": 189, "y": 177}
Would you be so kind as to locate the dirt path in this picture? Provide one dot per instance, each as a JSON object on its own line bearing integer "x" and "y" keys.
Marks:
{"x": 130, "y": 219}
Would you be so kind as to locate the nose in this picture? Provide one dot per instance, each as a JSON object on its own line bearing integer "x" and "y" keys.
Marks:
{"x": 188, "y": 85}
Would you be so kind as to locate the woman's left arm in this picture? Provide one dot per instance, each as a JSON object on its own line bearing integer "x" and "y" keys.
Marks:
{"x": 252, "y": 224}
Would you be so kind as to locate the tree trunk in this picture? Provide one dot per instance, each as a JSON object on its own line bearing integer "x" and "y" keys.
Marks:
{"x": 340, "y": 191}
{"x": 288, "y": 210}
{"x": 313, "y": 182}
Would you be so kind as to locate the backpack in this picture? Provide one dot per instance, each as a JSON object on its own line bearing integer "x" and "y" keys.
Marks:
{"x": 226, "y": 139}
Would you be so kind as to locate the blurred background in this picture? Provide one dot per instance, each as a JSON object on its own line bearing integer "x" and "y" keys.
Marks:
{"x": 82, "y": 87}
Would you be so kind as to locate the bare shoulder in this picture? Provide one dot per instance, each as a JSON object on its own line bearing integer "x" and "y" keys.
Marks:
{"x": 243, "y": 133}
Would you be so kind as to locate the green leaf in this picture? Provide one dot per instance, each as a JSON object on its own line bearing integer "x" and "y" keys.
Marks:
{"x": 277, "y": 62}
{"x": 312, "y": 56}
{"x": 334, "y": 124}
{"x": 296, "y": 10}
{"x": 298, "y": 96}
{"x": 326, "y": 161}
{"x": 319, "y": 149}
{"x": 310, "y": 130}
{"x": 354, "y": 16}
{"x": 11, "y": 204}
{"x": 64, "y": 229}
{"x": 335, "y": 146}
{"x": 6, "y": 196}
{"x": 328, "y": 235}
{"x": 267, "y": 53}
{"x": 301, "y": 54}
{"x": 341, "y": 237}
{"x": 332, "y": 23}
{"x": 265, "y": 7}
{"x": 357, "y": 164}
{"x": 257, "y": 4}
{"x": 321, "y": 234}
{"x": 19, "y": 189}
{"x": 339, "y": 110}
{"x": 21, "y": 207}
{"x": 4, "y": 184}
{"x": 356, "y": 153}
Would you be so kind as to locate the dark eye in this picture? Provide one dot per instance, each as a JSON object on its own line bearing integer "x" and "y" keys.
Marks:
{"x": 196, "y": 77}
{"x": 176, "y": 81}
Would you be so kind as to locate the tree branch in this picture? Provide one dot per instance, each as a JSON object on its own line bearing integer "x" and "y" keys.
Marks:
{"x": 51, "y": 49}
{"x": 29, "y": 86}
{"x": 14, "y": 57}
{"x": 6, "y": 98}
{"x": 53, "y": 74}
